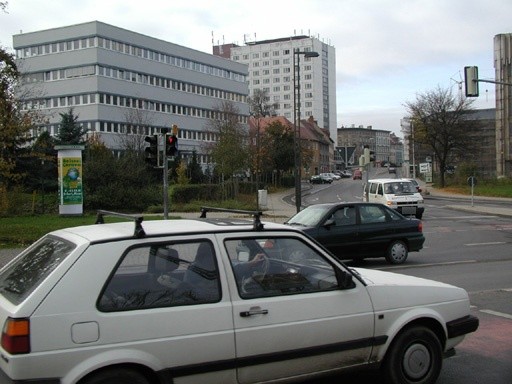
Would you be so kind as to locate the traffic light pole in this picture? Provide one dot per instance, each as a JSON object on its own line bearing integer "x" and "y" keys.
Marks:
{"x": 166, "y": 187}
{"x": 170, "y": 150}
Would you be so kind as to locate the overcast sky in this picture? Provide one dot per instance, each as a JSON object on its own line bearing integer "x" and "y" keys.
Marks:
{"x": 387, "y": 51}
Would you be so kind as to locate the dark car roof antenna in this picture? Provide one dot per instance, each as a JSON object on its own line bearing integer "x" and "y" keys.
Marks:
{"x": 139, "y": 231}
{"x": 257, "y": 224}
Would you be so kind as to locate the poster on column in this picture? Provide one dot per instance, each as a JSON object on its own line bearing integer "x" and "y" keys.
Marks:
{"x": 71, "y": 189}
{"x": 70, "y": 180}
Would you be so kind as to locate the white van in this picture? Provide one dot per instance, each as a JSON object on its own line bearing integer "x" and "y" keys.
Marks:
{"x": 398, "y": 194}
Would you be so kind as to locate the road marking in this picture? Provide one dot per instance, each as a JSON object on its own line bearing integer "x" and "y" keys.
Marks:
{"x": 429, "y": 264}
{"x": 460, "y": 217}
{"x": 495, "y": 313}
{"x": 489, "y": 243}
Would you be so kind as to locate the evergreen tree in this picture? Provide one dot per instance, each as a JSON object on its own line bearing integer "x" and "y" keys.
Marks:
{"x": 70, "y": 131}
{"x": 194, "y": 170}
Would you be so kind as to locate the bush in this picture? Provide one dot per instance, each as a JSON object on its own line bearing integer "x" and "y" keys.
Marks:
{"x": 122, "y": 197}
{"x": 182, "y": 194}
{"x": 15, "y": 202}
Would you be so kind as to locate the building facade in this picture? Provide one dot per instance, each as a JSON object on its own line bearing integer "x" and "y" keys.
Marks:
{"x": 271, "y": 69}
{"x": 352, "y": 140}
{"x": 121, "y": 83}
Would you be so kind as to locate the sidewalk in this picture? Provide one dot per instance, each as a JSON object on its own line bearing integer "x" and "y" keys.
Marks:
{"x": 467, "y": 204}
{"x": 277, "y": 210}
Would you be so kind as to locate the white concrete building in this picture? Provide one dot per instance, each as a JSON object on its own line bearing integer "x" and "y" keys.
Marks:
{"x": 271, "y": 68}
{"x": 109, "y": 74}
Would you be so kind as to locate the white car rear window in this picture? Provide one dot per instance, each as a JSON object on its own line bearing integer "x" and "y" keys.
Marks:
{"x": 19, "y": 278}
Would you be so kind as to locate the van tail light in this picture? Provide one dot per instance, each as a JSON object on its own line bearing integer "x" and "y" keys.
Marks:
{"x": 16, "y": 336}
{"x": 420, "y": 227}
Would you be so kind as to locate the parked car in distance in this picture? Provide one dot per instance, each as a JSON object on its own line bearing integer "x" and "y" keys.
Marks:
{"x": 345, "y": 174}
{"x": 415, "y": 183}
{"x": 392, "y": 169}
{"x": 361, "y": 230}
{"x": 357, "y": 175}
{"x": 322, "y": 178}
{"x": 333, "y": 175}
{"x": 212, "y": 301}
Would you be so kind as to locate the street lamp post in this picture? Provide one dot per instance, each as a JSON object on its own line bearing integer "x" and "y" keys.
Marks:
{"x": 296, "y": 120}
{"x": 413, "y": 154}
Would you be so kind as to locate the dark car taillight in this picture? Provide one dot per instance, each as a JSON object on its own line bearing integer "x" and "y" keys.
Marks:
{"x": 16, "y": 336}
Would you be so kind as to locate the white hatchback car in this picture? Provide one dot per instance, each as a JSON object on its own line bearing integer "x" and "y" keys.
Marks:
{"x": 214, "y": 301}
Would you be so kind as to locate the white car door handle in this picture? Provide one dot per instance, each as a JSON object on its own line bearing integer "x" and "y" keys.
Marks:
{"x": 254, "y": 312}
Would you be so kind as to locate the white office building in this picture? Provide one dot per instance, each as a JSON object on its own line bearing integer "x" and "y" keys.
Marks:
{"x": 116, "y": 79}
{"x": 271, "y": 69}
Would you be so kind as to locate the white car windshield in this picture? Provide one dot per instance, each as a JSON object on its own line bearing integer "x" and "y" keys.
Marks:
{"x": 399, "y": 187}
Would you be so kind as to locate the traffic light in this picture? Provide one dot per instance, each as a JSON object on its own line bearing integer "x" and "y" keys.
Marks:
{"x": 171, "y": 142}
{"x": 171, "y": 145}
{"x": 372, "y": 156}
{"x": 151, "y": 152}
{"x": 471, "y": 81}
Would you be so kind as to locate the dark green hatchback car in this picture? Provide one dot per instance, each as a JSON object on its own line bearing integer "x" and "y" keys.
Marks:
{"x": 361, "y": 230}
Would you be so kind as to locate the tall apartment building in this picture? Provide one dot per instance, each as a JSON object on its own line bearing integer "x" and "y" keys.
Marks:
{"x": 120, "y": 82}
{"x": 503, "y": 75}
{"x": 271, "y": 69}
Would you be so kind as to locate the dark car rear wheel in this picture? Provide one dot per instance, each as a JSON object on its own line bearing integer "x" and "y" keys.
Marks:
{"x": 397, "y": 252}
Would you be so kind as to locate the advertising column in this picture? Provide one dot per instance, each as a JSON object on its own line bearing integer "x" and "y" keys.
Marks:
{"x": 70, "y": 179}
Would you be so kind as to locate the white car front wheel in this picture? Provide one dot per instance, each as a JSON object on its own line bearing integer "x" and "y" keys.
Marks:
{"x": 414, "y": 357}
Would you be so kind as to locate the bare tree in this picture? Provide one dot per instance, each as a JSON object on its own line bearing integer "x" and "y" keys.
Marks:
{"x": 260, "y": 107}
{"x": 442, "y": 122}
{"x": 137, "y": 126}
{"x": 260, "y": 104}
{"x": 230, "y": 152}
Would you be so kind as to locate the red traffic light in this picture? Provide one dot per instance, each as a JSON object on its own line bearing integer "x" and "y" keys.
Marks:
{"x": 171, "y": 145}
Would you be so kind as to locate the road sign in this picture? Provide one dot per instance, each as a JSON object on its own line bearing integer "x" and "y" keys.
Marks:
{"x": 425, "y": 167}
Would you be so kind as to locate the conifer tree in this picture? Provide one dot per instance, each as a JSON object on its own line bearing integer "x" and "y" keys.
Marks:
{"x": 70, "y": 131}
